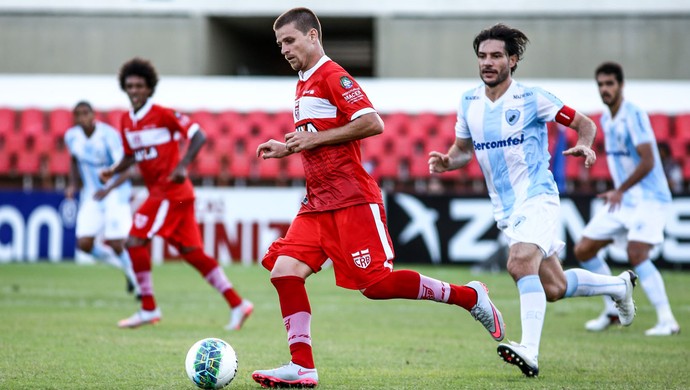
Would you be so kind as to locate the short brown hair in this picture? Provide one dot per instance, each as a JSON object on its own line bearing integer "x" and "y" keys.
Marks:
{"x": 303, "y": 18}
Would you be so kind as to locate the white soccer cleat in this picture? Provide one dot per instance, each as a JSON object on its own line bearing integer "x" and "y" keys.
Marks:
{"x": 519, "y": 356}
{"x": 239, "y": 314}
{"x": 142, "y": 317}
{"x": 289, "y": 375}
{"x": 626, "y": 305}
{"x": 667, "y": 328}
{"x": 485, "y": 311}
{"x": 602, "y": 322}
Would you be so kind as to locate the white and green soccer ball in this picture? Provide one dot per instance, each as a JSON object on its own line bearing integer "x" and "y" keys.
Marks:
{"x": 211, "y": 363}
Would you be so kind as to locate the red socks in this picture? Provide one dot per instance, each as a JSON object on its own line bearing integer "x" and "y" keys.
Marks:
{"x": 294, "y": 306}
{"x": 409, "y": 284}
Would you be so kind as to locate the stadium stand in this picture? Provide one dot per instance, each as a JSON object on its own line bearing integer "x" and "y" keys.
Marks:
{"x": 31, "y": 145}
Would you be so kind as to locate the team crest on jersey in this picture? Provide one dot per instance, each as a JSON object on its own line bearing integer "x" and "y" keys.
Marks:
{"x": 362, "y": 258}
{"x": 512, "y": 116}
{"x": 346, "y": 82}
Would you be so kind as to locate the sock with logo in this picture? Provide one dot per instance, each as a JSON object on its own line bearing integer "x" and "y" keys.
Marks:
{"x": 296, "y": 311}
{"x": 407, "y": 284}
{"x": 599, "y": 266}
{"x": 214, "y": 275}
{"x": 532, "y": 310}
{"x": 141, "y": 264}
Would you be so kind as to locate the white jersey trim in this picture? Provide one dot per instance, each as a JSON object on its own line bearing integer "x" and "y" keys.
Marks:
{"x": 149, "y": 137}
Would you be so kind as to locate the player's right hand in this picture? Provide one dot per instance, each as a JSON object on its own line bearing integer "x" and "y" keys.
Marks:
{"x": 105, "y": 174}
{"x": 272, "y": 149}
{"x": 438, "y": 162}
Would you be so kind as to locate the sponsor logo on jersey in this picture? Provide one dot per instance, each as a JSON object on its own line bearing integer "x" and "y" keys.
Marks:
{"x": 510, "y": 141}
{"x": 471, "y": 97}
{"x": 512, "y": 116}
{"x": 362, "y": 258}
{"x": 354, "y": 95}
{"x": 523, "y": 95}
{"x": 297, "y": 110}
{"x": 346, "y": 82}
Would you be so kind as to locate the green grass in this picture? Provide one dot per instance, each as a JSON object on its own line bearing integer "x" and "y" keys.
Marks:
{"x": 57, "y": 331}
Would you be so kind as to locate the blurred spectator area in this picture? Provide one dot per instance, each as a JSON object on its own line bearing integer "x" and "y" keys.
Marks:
{"x": 33, "y": 154}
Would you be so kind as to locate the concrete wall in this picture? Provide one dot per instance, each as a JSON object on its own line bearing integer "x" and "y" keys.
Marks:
{"x": 650, "y": 46}
{"x": 87, "y": 44}
{"x": 653, "y": 47}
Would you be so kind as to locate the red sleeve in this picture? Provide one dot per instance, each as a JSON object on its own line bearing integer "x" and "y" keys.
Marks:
{"x": 348, "y": 96}
{"x": 178, "y": 122}
{"x": 565, "y": 116}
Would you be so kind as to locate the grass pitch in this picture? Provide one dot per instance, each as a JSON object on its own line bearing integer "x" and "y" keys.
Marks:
{"x": 57, "y": 331}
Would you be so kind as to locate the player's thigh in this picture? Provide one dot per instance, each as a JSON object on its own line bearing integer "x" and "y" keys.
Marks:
{"x": 606, "y": 225}
{"x": 359, "y": 245}
{"x": 118, "y": 221}
{"x": 535, "y": 221}
{"x": 302, "y": 242}
{"x": 181, "y": 228}
{"x": 646, "y": 224}
{"x": 90, "y": 218}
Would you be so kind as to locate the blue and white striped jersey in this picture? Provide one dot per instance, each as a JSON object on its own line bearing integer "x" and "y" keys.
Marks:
{"x": 510, "y": 142}
{"x": 622, "y": 135}
{"x": 102, "y": 149}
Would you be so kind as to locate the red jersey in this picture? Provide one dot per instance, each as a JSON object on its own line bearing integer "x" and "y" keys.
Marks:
{"x": 328, "y": 97}
{"x": 152, "y": 136}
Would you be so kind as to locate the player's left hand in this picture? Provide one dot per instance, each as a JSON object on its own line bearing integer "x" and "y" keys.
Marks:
{"x": 613, "y": 198}
{"x": 178, "y": 175}
{"x": 582, "y": 151}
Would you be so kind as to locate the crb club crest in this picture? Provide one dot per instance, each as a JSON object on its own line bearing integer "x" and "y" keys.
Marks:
{"x": 512, "y": 116}
{"x": 362, "y": 258}
{"x": 140, "y": 220}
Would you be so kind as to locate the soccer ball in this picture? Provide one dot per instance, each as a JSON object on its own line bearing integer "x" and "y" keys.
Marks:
{"x": 211, "y": 363}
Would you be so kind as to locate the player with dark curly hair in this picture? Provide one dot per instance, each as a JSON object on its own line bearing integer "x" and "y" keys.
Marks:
{"x": 150, "y": 136}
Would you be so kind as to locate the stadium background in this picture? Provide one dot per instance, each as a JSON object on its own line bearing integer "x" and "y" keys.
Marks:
{"x": 219, "y": 63}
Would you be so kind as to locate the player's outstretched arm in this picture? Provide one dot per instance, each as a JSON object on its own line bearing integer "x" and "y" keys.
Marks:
{"x": 586, "y": 131}
{"x": 459, "y": 155}
{"x": 359, "y": 128}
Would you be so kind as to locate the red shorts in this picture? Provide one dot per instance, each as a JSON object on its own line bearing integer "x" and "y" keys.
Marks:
{"x": 172, "y": 220}
{"x": 355, "y": 238}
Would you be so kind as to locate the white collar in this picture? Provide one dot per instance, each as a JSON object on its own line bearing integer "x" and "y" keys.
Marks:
{"x": 304, "y": 76}
{"x": 139, "y": 115}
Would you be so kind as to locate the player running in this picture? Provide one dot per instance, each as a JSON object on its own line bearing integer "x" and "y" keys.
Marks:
{"x": 151, "y": 134}
{"x": 342, "y": 216}
{"x": 103, "y": 208}
{"x": 503, "y": 123}
{"x": 634, "y": 217}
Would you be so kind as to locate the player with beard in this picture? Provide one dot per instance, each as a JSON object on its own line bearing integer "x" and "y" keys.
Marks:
{"x": 637, "y": 205}
{"x": 503, "y": 123}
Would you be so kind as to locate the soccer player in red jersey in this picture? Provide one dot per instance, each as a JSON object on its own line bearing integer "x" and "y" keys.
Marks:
{"x": 342, "y": 216}
{"x": 150, "y": 135}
